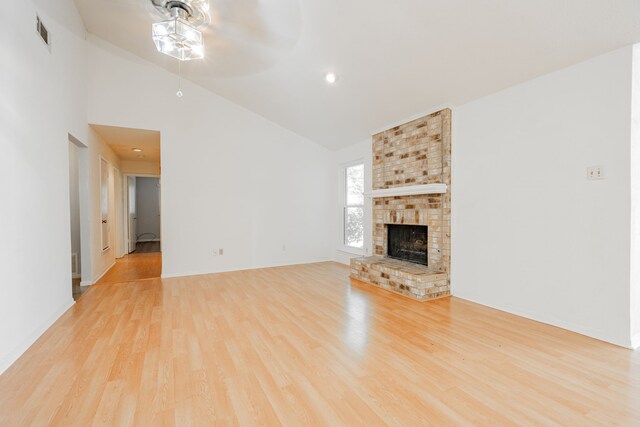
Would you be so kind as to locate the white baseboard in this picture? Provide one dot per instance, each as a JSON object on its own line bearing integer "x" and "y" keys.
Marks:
{"x": 147, "y": 240}
{"x": 578, "y": 329}
{"x": 86, "y": 283}
{"x": 10, "y": 358}
{"x": 201, "y": 272}
{"x": 102, "y": 274}
{"x": 344, "y": 257}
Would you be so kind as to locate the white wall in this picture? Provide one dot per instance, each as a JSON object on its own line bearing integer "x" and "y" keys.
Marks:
{"x": 635, "y": 201}
{"x": 148, "y": 209}
{"x": 133, "y": 167}
{"x": 43, "y": 98}
{"x": 230, "y": 178}
{"x": 359, "y": 151}
{"x": 531, "y": 235}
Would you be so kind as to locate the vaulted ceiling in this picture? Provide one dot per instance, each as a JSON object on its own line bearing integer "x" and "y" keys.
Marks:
{"x": 395, "y": 59}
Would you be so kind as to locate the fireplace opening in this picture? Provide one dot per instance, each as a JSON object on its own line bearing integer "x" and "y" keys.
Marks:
{"x": 407, "y": 242}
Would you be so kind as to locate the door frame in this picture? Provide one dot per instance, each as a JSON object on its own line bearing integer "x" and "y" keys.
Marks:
{"x": 109, "y": 221}
{"x": 125, "y": 183}
{"x": 119, "y": 244}
{"x": 86, "y": 238}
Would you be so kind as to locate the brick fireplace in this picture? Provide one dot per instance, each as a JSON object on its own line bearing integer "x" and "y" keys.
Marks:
{"x": 411, "y": 186}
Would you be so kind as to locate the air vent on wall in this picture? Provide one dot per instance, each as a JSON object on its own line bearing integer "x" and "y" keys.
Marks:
{"x": 43, "y": 32}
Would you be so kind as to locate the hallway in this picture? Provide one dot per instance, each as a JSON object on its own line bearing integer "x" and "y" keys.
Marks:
{"x": 147, "y": 247}
{"x": 133, "y": 267}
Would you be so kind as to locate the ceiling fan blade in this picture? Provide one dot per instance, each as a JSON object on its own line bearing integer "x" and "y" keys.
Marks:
{"x": 248, "y": 36}
{"x": 243, "y": 37}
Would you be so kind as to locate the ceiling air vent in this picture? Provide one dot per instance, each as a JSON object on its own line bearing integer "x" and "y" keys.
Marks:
{"x": 43, "y": 32}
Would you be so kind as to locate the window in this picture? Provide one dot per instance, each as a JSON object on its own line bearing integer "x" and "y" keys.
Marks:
{"x": 353, "y": 209}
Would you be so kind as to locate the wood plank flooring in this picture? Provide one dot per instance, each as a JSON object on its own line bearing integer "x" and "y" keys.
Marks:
{"x": 302, "y": 345}
{"x": 132, "y": 267}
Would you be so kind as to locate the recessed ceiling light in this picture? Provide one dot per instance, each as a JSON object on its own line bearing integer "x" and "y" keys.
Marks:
{"x": 331, "y": 78}
{"x": 137, "y": 150}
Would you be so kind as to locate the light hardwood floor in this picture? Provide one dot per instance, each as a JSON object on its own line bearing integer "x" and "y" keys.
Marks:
{"x": 135, "y": 266}
{"x": 301, "y": 345}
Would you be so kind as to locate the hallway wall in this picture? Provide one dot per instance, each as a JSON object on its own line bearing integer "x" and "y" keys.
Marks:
{"x": 101, "y": 260}
{"x": 133, "y": 167}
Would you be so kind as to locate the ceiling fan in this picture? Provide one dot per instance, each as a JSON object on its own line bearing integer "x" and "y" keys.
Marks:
{"x": 178, "y": 34}
{"x": 242, "y": 36}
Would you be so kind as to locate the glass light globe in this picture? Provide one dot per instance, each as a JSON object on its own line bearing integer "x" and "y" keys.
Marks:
{"x": 176, "y": 38}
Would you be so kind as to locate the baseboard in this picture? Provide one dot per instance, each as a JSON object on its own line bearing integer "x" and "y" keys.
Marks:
{"x": 76, "y": 276}
{"x": 202, "y": 272}
{"x": 102, "y": 274}
{"x": 147, "y": 240}
{"x": 86, "y": 283}
{"x": 578, "y": 329}
{"x": 344, "y": 257}
{"x": 635, "y": 342}
{"x": 10, "y": 358}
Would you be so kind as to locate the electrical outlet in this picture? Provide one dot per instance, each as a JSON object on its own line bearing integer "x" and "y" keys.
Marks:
{"x": 595, "y": 172}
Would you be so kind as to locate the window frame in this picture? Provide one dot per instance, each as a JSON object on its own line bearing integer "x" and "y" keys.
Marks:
{"x": 342, "y": 246}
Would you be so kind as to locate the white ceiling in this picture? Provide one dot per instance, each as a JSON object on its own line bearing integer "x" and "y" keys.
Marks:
{"x": 395, "y": 58}
{"x": 122, "y": 140}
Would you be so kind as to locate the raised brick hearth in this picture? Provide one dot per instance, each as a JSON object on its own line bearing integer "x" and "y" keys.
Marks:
{"x": 418, "y": 152}
{"x": 407, "y": 278}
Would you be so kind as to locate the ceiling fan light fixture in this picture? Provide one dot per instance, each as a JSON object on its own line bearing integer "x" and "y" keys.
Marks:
{"x": 176, "y": 38}
{"x": 196, "y": 12}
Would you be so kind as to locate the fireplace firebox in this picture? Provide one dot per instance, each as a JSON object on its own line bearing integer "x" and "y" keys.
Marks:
{"x": 407, "y": 242}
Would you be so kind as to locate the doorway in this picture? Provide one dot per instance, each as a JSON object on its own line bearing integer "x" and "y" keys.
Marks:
{"x": 141, "y": 232}
{"x": 143, "y": 214}
{"x": 79, "y": 257}
{"x": 137, "y": 239}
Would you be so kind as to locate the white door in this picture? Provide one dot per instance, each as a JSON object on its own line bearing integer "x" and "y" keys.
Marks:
{"x": 132, "y": 216}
